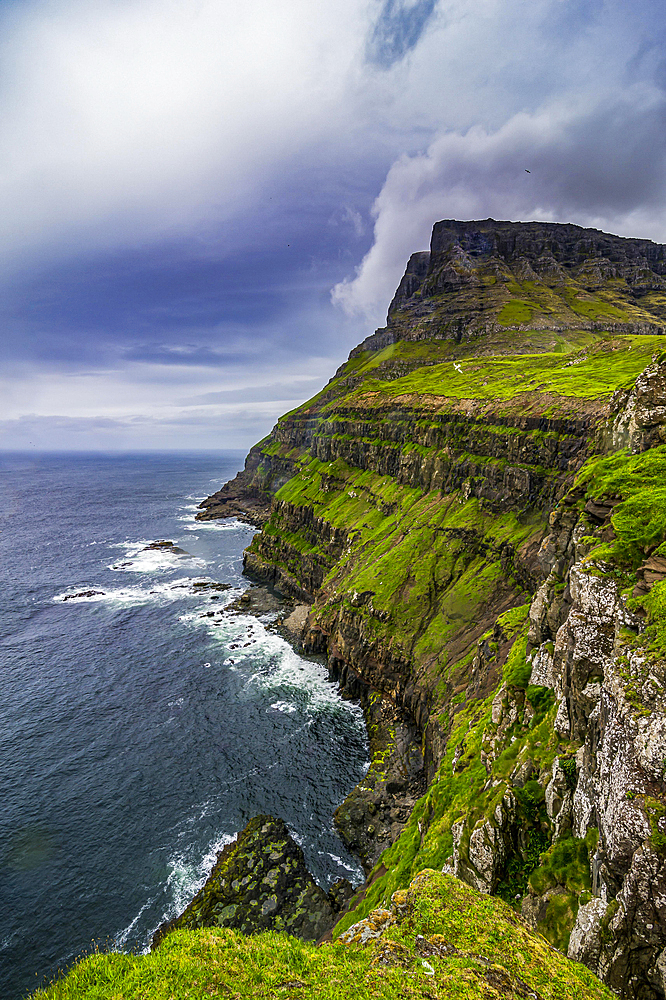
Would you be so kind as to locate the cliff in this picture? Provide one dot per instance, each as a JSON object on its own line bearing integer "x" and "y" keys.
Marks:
{"x": 474, "y": 507}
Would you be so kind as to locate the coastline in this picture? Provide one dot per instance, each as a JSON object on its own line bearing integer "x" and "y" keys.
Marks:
{"x": 368, "y": 820}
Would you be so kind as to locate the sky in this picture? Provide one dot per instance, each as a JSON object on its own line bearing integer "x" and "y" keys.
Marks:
{"x": 205, "y": 205}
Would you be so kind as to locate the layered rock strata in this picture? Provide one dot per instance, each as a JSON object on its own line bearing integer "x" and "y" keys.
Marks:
{"x": 473, "y": 509}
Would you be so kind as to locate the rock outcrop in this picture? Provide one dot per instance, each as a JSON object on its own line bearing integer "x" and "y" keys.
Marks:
{"x": 260, "y": 882}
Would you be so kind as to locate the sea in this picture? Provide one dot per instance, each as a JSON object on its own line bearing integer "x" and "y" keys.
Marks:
{"x": 143, "y": 722}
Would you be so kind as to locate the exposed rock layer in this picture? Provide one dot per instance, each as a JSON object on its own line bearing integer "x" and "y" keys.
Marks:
{"x": 422, "y": 498}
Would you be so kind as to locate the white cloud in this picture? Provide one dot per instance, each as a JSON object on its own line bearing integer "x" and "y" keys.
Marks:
{"x": 161, "y": 406}
{"x": 126, "y": 118}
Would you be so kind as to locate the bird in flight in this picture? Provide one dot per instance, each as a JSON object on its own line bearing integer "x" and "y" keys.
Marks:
{"x": 527, "y": 171}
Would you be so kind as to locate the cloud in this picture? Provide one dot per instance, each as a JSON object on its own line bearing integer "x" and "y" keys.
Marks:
{"x": 184, "y": 180}
{"x": 123, "y": 122}
{"x": 161, "y": 406}
{"x": 238, "y": 427}
{"x": 297, "y": 390}
{"x": 599, "y": 164}
{"x": 125, "y": 119}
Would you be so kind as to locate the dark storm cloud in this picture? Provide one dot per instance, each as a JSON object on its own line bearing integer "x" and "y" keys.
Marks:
{"x": 398, "y": 29}
{"x": 230, "y": 299}
{"x": 182, "y": 185}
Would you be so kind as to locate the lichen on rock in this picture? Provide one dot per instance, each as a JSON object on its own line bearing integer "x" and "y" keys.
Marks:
{"x": 260, "y": 882}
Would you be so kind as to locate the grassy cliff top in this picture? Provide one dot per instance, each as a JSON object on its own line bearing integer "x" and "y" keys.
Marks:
{"x": 576, "y": 373}
{"x": 441, "y": 939}
{"x": 606, "y": 364}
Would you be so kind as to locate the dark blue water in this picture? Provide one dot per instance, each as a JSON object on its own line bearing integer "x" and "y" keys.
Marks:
{"x": 134, "y": 742}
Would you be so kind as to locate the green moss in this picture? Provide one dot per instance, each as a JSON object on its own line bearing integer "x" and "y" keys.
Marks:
{"x": 639, "y": 525}
{"x": 516, "y": 311}
{"x": 568, "y": 765}
{"x": 565, "y": 864}
{"x": 511, "y": 621}
{"x": 560, "y": 918}
{"x": 565, "y": 867}
{"x": 656, "y": 812}
{"x": 518, "y": 670}
{"x": 654, "y": 637}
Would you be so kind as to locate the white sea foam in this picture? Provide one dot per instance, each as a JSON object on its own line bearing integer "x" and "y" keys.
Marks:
{"x": 190, "y": 523}
{"x": 159, "y": 593}
{"x": 139, "y": 558}
{"x": 354, "y": 869}
{"x": 225, "y": 525}
{"x": 186, "y": 875}
{"x": 289, "y": 670}
{"x": 122, "y": 937}
{"x": 283, "y": 706}
{"x": 276, "y": 666}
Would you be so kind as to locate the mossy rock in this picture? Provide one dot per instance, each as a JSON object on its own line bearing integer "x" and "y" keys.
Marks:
{"x": 259, "y": 882}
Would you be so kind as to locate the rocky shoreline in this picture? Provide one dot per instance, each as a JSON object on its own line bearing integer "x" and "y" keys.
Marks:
{"x": 260, "y": 881}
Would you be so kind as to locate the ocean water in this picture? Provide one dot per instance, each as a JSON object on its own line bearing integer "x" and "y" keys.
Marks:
{"x": 142, "y": 725}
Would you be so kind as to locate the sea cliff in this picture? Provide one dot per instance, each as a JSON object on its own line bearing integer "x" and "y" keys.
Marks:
{"x": 474, "y": 510}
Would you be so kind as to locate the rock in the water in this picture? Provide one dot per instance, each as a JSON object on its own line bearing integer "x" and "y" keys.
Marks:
{"x": 162, "y": 545}
{"x": 83, "y": 593}
{"x": 259, "y": 883}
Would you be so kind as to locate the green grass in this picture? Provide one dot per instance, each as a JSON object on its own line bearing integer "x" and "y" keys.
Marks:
{"x": 653, "y": 638}
{"x": 474, "y": 944}
{"x": 639, "y": 523}
{"x": 640, "y": 520}
{"x": 596, "y": 371}
{"x": 517, "y": 669}
{"x": 516, "y": 311}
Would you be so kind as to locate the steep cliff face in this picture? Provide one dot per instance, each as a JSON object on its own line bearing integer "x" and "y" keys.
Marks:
{"x": 474, "y": 507}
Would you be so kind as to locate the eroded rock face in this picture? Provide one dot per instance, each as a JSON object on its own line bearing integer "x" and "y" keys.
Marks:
{"x": 614, "y": 704}
{"x": 372, "y": 816}
{"x": 260, "y": 882}
{"x": 640, "y": 422}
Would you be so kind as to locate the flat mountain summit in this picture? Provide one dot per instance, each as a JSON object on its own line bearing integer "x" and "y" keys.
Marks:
{"x": 484, "y": 278}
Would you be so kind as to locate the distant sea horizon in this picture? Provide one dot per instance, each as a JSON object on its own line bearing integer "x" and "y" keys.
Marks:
{"x": 143, "y": 722}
